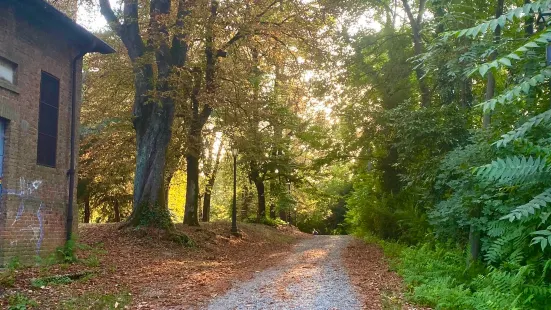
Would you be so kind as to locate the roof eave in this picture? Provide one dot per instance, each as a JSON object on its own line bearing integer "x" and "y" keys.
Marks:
{"x": 89, "y": 43}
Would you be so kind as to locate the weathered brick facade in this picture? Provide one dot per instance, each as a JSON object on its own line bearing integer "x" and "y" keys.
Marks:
{"x": 34, "y": 198}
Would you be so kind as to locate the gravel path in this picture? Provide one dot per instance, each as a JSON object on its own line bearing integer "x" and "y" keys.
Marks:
{"x": 312, "y": 278}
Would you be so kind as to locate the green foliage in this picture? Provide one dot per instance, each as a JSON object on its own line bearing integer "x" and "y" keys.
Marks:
{"x": 491, "y": 25}
{"x": 431, "y": 175}
{"x": 435, "y": 276}
{"x": 531, "y": 207}
{"x": 66, "y": 253}
{"x": 8, "y": 276}
{"x": 14, "y": 263}
{"x": 277, "y": 222}
{"x": 19, "y": 301}
{"x": 42, "y": 282}
{"x": 522, "y": 130}
{"x": 92, "y": 261}
{"x": 98, "y": 301}
{"x": 513, "y": 169}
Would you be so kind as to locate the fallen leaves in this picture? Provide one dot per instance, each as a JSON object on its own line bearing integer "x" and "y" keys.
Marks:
{"x": 159, "y": 274}
{"x": 370, "y": 275}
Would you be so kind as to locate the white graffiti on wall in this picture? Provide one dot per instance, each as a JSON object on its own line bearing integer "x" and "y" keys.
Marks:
{"x": 27, "y": 190}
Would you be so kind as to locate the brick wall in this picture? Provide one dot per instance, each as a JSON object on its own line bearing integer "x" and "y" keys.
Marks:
{"x": 34, "y": 198}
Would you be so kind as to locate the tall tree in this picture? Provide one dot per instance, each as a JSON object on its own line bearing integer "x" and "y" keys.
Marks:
{"x": 416, "y": 24}
{"x": 155, "y": 56}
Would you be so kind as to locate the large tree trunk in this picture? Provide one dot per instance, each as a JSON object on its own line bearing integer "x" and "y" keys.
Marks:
{"x": 153, "y": 115}
{"x": 153, "y": 122}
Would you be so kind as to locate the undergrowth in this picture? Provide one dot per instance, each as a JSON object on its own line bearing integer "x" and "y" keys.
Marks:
{"x": 435, "y": 276}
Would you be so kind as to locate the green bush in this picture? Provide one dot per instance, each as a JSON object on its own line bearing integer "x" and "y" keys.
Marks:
{"x": 435, "y": 276}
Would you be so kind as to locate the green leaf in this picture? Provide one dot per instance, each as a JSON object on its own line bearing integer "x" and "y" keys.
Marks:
{"x": 483, "y": 69}
{"x": 514, "y": 56}
{"x": 505, "y": 61}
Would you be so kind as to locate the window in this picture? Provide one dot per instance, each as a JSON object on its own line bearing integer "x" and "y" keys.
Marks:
{"x": 47, "y": 120}
{"x": 7, "y": 71}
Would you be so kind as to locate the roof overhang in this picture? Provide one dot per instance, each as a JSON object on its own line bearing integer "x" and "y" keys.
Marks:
{"x": 39, "y": 11}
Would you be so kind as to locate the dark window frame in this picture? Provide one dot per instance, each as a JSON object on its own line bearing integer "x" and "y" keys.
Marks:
{"x": 41, "y": 114}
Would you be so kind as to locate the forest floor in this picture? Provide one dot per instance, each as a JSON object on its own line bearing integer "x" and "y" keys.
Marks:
{"x": 119, "y": 269}
{"x": 378, "y": 286}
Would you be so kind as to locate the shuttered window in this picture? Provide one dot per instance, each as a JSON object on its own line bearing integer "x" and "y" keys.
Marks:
{"x": 48, "y": 113}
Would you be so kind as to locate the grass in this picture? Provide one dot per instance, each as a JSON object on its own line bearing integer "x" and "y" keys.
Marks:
{"x": 98, "y": 301}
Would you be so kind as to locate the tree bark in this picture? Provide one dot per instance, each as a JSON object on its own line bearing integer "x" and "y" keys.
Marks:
{"x": 260, "y": 189}
{"x": 153, "y": 132}
{"x": 198, "y": 121}
{"x": 117, "y": 211}
{"x": 272, "y": 211}
{"x": 491, "y": 82}
{"x": 192, "y": 191}
{"x": 210, "y": 185}
{"x": 153, "y": 115}
{"x": 87, "y": 209}
{"x": 418, "y": 48}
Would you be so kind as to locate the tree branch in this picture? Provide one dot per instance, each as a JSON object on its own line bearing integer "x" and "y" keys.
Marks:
{"x": 107, "y": 12}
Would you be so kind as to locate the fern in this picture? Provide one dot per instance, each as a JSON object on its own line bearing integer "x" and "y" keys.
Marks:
{"x": 507, "y": 61}
{"x": 517, "y": 91}
{"x": 529, "y": 208}
{"x": 543, "y": 238}
{"x": 517, "y": 13}
{"x": 523, "y": 129}
{"x": 513, "y": 169}
{"x": 507, "y": 244}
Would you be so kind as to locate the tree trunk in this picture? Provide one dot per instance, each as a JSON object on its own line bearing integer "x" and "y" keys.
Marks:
{"x": 491, "y": 82}
{"x": 87, "y": 209}
{"x": 260, "y": 189}
{"x": 246, "y": 202}
{"x": 466, "y": 93}
{"x": 272, "y": 211}
{"x": 206, "y": 207}
{"x": 117, "y": 210}
{"x": 210, "y": 184}
{"x": 152, "y": 123}
{"x": 198, "y": 121}
{"x": 191, "y": 217}
{"x": 416, "y": 27}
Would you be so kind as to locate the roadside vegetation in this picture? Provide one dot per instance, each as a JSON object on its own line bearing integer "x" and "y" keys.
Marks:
{"x": 423, "y": 123}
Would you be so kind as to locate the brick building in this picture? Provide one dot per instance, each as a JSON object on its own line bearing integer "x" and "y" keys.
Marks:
{"x": 41, "y": 52}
